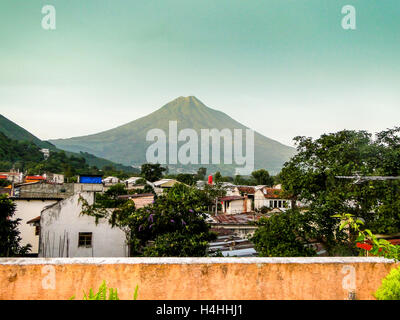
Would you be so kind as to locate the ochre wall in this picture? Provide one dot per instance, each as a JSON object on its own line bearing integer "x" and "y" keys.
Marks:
{"x": 193, "y": 278}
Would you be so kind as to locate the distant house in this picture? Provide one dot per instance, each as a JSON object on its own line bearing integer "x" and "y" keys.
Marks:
{"x": 54, "y": 177}
{"x": 13, "y": 176}
{"x": 235, "y": 204}
{"x": 140, "y": 199}
{"x": 271, "y": 198}
{"x": 46, "y": 153}
{"x": 160, "y": 185}
{"x": 110, "y": 181}
{"x": 65, "y": 232}
{"x": 28, "y": 209}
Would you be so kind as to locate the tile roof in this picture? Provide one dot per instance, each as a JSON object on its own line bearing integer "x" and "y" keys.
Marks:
{"x": 230, "y": 198}
{"x": 247, "y": 190}
{"x": 271, "y": 193}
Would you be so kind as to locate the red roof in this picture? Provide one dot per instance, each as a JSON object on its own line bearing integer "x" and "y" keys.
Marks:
{"x": 271, "y": 193}
{"x": 247, "y": 190}
{"x": 34, "y": 178}
{"x": 230, "y": 198}
{"x": 3, "y": 177}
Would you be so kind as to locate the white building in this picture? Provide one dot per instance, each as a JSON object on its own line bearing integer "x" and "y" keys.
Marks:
{"x": 271, "y": 198}
{"x": 109, "y": 181}
{"x": 235, "y": 204}
{"x": 28, "y": 209}
{"x": 65, "y": 232}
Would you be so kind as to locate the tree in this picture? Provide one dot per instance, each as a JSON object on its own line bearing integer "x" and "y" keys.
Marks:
{"x": 174, "y": 225}
{"x": 152, "y": 172}
{"x": 217, "y": 177}
{"x": 278, "y": 236}
{"x": 201, "y": 173}
{"x": 311, "y": 177}
{"x": 9, "y": 234}
{"x": 186, "y": 178}
{"x": 263, "y": 178}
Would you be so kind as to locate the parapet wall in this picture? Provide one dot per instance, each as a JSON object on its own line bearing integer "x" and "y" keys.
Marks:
{"x": 194, "y": 278}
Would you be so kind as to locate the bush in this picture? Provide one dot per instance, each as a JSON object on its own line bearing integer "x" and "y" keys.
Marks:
{"x": 390, "y": 288}
{"x": 281, "y": 236}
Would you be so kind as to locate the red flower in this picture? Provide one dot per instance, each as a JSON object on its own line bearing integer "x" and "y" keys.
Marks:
{"x": 364, "y": 246}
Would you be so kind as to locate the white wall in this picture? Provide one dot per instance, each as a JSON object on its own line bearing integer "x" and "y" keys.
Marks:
{"x": 27, "y": 210}
{"x": 63, "y": 221}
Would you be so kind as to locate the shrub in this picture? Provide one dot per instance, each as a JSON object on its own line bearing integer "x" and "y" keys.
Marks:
{"x": 102, "y": 293}
{"x": 390, "y": 288}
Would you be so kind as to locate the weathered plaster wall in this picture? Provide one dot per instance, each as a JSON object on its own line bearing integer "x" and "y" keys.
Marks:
{"x": 194, "y": 278}
{"x": 27, "y": 210}
{"x": 63, "y": 221}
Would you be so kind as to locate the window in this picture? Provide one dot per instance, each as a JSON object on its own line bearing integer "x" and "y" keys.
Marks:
{"x": 85, "y": 239}
{"x": 37, "y": 230}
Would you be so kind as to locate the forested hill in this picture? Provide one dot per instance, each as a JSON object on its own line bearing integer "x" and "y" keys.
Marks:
{"x": 24, "y": 148}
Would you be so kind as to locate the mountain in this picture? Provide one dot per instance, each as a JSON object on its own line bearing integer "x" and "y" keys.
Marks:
{"x": 127, "y": 143}
{"x": 13, "y": 131}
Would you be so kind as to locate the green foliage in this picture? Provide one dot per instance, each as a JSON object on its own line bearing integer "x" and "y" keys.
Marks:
{"x": 378, "y": 247}
{"x": 201, "y": 173}
{"x": 140, "y": 182}
{"x": 243, "y": 181}
{"x": 152, "y": 172}
{"x": 9, "y": 234}
{"x": 390, "y": 288}
{"x": 104, "y": 293}
{"x": 4, "y": 183}
{"x": 217, "y": 177}
{"x": 187, "y": 178}
{"x": 310, "y": 176}
{"x": 279, "y": 236}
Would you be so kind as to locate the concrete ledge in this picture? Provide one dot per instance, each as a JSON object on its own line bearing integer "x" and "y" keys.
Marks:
{"x": 227, "y": 260}
{"x": 195, "y": 278}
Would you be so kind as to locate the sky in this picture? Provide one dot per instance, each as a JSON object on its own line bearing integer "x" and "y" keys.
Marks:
{"x": 281, "y": 67}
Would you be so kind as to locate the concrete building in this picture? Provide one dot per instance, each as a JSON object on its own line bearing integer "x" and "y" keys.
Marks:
{"x": 235, "y": 204}
{"x": 28, "y": 209}
{"x": 65, "y": 232}
{"x": 160, "y": 185}
{"x": 271, "y": 198}
{"x": 54, "y": 177}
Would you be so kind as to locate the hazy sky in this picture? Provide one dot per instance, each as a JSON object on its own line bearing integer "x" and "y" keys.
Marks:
{"x": 282, "y": 67}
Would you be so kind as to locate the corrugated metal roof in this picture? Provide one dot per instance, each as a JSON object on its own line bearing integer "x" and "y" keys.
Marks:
{"x": 235, "y": 218}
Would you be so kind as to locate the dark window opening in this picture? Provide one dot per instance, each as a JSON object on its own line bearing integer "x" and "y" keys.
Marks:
{"x": 85, "y": 239}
